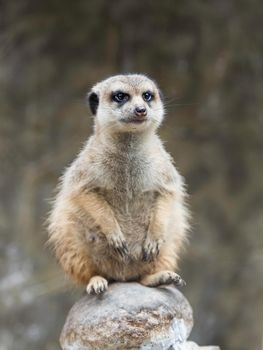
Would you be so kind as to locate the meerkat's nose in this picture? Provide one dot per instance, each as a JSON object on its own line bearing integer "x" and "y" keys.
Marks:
{"x": 140, "y": 111}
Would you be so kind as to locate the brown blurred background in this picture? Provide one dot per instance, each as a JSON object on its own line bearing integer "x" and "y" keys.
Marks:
{"x": 207, "y": 58}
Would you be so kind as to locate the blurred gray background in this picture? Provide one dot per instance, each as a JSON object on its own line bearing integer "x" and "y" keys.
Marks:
{"x": 207, "y": 58}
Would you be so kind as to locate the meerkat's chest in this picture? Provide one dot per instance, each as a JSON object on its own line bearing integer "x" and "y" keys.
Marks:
{"x": 129, "y": 175}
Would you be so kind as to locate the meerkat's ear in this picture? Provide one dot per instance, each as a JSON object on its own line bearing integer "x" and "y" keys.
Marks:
{"x": 93, "y": 101}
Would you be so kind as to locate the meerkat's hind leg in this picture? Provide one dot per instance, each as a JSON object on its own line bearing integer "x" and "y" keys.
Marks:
{"x": 162, "y": 277}
{"x": 97, "y": 285}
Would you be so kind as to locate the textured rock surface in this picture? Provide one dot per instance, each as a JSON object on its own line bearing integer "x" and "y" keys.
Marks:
{"x": 129, "y": 316}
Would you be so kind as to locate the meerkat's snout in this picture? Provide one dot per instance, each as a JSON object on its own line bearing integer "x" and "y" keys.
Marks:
{"x": 140, "y": 112}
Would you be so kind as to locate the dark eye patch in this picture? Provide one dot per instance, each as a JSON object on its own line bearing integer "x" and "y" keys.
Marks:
{"x": 120, "y": 97}
{"x": 148, "y": 96}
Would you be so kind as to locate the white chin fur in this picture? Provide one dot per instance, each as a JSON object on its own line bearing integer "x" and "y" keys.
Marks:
{"x": 113, "y": 123}
{"x": 133, "y": 127}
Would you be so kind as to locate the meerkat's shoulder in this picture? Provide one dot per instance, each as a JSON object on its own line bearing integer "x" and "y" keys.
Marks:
{"x": 77, "y": 172}
{"x": 166, "y": 165}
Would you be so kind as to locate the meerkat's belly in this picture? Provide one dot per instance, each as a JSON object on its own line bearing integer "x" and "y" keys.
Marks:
{"x": 133, "y": 215}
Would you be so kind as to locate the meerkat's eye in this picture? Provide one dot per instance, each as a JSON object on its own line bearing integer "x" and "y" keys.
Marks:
{"x": 148, "y": 96}
{"x": 120, "y": 97}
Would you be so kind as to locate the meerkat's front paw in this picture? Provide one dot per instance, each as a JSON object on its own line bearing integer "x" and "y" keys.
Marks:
{"x": 119, "y": 245}
{"x": 151, "y": 249}
{"x": 97, "y": 285}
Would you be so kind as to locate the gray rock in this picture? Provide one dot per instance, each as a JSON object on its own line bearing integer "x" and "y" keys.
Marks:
{"x": 129, "y": 316}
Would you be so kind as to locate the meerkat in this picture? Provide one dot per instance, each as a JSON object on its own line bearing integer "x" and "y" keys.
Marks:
{"x": 120, "y": 212}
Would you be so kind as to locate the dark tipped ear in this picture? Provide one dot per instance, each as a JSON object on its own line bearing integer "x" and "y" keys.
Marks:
{"x": 93, "y": 100}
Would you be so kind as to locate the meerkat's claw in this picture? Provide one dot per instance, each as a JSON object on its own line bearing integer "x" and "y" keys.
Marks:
{"x": 122, "y": 251}
{"x": 182, "y": 283}
{"x": 151, "y": 250}
{"x": 97, "y": 285}
{"x": 178, "y": 281}
{"x": 119, "y": 246}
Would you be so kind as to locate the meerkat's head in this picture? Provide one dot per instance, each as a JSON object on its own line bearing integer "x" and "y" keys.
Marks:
{"x": 127, "y": 103}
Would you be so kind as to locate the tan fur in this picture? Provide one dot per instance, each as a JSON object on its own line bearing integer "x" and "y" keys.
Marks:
{"x": 119, "y": 213}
